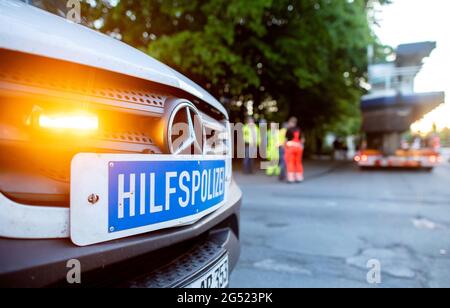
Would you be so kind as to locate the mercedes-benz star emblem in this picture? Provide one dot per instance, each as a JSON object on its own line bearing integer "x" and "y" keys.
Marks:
{"x": 185, "y": 132}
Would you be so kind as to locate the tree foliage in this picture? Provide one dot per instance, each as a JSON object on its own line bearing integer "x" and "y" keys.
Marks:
{"x": 309, "y": 56}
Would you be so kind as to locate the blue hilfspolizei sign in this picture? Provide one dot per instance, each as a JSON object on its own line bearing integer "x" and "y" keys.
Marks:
{"x": 151, "y": 192}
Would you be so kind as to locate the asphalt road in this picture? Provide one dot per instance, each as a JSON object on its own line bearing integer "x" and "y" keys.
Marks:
{"x": 323, "y": 232}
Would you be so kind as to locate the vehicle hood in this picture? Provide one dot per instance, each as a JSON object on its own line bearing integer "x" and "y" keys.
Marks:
{"x": 31, "y": 30}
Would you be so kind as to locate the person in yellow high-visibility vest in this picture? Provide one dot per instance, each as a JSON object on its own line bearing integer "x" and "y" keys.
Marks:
{"x": 273, "y": 151}
{"x": 281, "y": 143}
{"x": 252, "y": 139}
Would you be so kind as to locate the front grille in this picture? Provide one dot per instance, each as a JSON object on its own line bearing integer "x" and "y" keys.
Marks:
{"x": 132, "y": 137}
{"x": 82, "y": 87}
{"x": 188, "y": 265}
{"x": 130, "y": 113}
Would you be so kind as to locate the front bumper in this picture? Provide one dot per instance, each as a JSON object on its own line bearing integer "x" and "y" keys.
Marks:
{"x": 43, "y": 263}
{"x": 398, "y": 162}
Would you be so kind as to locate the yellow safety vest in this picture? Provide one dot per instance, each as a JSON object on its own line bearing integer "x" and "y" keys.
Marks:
{"x": 249, "y": 136}
{"x": 282, "y": 137}
{"x": 272, "y": 145}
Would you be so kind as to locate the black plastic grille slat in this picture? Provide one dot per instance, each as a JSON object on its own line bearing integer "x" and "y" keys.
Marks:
{"x": 133, "y": 137}
{"x": 137, "y": 96}
{"x": 56, "y": 174}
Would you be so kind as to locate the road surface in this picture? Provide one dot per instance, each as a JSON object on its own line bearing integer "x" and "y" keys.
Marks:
{"x": 323, "y": 232}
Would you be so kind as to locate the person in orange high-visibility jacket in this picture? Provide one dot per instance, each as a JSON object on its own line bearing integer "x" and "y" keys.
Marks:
{"x": 294, "y": 155}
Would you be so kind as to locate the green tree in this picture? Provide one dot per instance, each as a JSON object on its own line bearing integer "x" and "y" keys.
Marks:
{"x": 309, "y": 56}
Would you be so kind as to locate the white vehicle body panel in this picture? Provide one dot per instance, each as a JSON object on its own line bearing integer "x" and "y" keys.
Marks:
{"x": 32, "y": 222}
{"x": 44, "y": 222}
{"x": 24, "y": 28}
{"x": 27, "y": 29}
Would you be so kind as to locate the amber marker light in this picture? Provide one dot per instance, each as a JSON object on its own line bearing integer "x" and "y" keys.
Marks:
{"x": 77, "y": 122}
{"x": 433, "y": 159}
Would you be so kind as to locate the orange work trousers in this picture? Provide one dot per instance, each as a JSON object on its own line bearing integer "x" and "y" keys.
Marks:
{"x": 294, "y": 160}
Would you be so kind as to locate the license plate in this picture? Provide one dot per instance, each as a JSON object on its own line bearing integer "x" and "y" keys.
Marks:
{"x": 215, "y": 278}
{"x": 115, "y": 196}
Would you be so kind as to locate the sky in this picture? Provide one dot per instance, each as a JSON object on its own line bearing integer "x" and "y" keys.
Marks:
{"x": 408, "y": 21}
